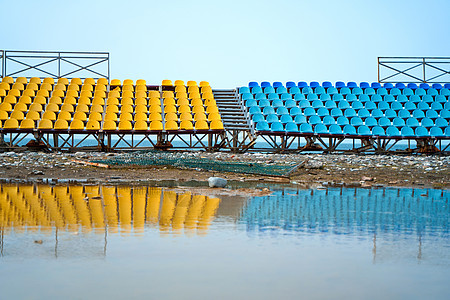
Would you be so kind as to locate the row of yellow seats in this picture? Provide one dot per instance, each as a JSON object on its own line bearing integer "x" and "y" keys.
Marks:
{"x": 112, "y": 116}
{"x": 167, "y": 82}
{"x": 49, "y": 124}
{"x": 80, "y": 100}
{"x": 74, "y": 87}
{"x": 157, "y": 108}
{"x": 50, "y": 80}
{"x": 65, "y": 115}
{"x": 117, "y": 82}
{"x": 140, "y": 116}
{"x": 18, "y": 93}
{"x": 126, "y": 125}
{"x": 138, "y": 94}
{"x": 193, "y": 89}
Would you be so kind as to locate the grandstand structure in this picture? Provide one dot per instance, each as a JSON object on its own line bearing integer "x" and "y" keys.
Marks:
{"x": 67, "y": 113}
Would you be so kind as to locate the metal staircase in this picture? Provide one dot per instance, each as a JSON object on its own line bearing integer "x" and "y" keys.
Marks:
{"x": 235, "y": 120}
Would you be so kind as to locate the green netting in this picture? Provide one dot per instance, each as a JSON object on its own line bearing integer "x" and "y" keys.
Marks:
{"x": 162, "y": 159}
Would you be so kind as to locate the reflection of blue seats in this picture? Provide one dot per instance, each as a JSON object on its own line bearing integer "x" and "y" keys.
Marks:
{"x": 441, "y": 122}
{"x": 407, "y": 131}
{"x": 262, "y": 126}
{"x": 427, "y": 123}
{"x": 363, "y": 130}
{"x": 335, "y": 129}
{"x": 285, "y": 119}
{"x": 253, "y": 84}
{"x": 290, "y": 84}
{"x": 412, "y": 122}
{"x": 268, "y": 110}
{"x": 299, "y": 119}
{"x": 378, "y": 131}
{"x": 328, "y": 120}
{"x": 322, "y": 112}
{"x": 243, "y": 90}
{"x": 341, "y": 121}
{"x": 336, "y": 112}
{"x": 421, "y": 131}
{"x": 272, "y": 118}
{"x": 340, "y": 84}
{"x": 294, "y": 90}
{"x": 258, "y": 118}
{"x": 370, "y": 122}
{"x": 313, "y": 120}
{"x": 320, "y": 129}
{"x": 388, "y": 85}
{"x": 305, "y": 128}
{"x": 265, "y": 84}
{"x": 257, "y": 89}
{"x": 403, "y": 113}
{"x": 276, "y": 126}
{"x": 356, "y": 121}
{"x": 398, "y": 122}
{"x": 436, "y": 131}
{"x": 282, "y": 111}
{"x": 349, "y": 129}
{"x": 412, "y": 86}
{"x": 291, "y": 127}
{"x": 384, "y": 122}
{"x": 392, "y": 131}
{"x": 295, "y": 111}
{"x": 254, "y": 110}
{"x": 390, "y": 114}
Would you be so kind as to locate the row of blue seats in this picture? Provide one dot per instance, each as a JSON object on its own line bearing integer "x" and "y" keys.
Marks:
{"x": 363, "y": 130}
{"x": 343, "y": 104}
{"x": 355, "y": 121}
{"x": 348, "y": 97}
{"x": 350, "y": 84}
{"x": 345, "y": 91}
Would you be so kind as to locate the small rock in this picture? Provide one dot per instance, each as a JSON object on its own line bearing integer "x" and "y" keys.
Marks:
{"x": 38, "y": 242}
{"x": 217, "y": 182}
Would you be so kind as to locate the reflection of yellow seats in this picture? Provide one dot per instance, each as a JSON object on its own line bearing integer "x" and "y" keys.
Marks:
{"x": 109, "y": 125}
{"x": 171, "y": 117}
{"x": 156, "y": 125}
{"x": 194, "y": 211}
{"x": 61, "y": 124}
{"x": 153, "y": 204}
{"x": 216, "y": 125}
{"x": 181, "y": 210}
{"x": 45, "y": 124}
{"x": 167, "y": 210}
{"x": 201, "y": 125}
{"x": 76, "y": 124}
{"x": 141, "y": 125}
{"x": 186, "y": 125}
{"x": 125, "y": 125}
{"x": 27, "y": 124}
{"x": 11, "y": 124}
{"x": 171, "y": 125}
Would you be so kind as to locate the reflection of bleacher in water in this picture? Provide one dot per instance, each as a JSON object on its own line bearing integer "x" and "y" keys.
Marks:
{"x": 113, "y": 209}
{"x": 346, "y": 211}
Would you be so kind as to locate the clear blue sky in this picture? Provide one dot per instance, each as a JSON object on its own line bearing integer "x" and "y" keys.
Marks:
{"x": 230, "y": 43}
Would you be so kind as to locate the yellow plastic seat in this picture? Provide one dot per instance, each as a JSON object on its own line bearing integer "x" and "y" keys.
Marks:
{"x": 11, "y": 124}
{"x": 100, "y": 88}
{"x": 35, "y": 107}
{"x": 140, "y": 116}
{"x": 193, "y": 95}
{"x": 171, "y": 125}
{"x": 141, "y": 88}
{"x": 14, "y": 92}
{"x": 156, "y": 125}
{"x": 127, "y": 94}
{"x": 29, "y": 93}
{"x": 63, "y": 81}
{"x": 154, "y": 116}
{"x": 180, "y": 89}
{"x": 84, "y": 100}
{"x": 40, "y": 100}
{"x": 169, "y": 101}
{"x": 109, "y": 125}
{"x": 141, "y": 125}
{"x": 35, "y": 80}
{"x": 80, "y": 115}
{"x": 126, "y": 109}
{"x": 99, "y": 101}
{"x": 5, "y": 86}
{"x": 115, "y": 82}
{"x": 180, "y": 95}
{"x": 45, "y": 124}
{"x": 112, "y": 108}
{"x": 199, "y": 117}
{"x": 67, "y": 107}
{"x": 112, "y": 101}
{"x": 70, "y": 100}
{"x": 52, "y": 107}
{"x": 100, "y": 94}
{"x": 198, "y": 109}
{"x": 96, "y": 108}
{"x": 140, "y": 108}
{"x": 186, "y": 116}
{"x": 207, "y": 96}
{"x": 2, "y": 93}
{"x": 72, "y": 94}
{"x": 154, "y": 101}
{"x": 155, "y": 108}
{"x": 184, "y": 109}
{"x": 191, "y": 83}
{"x": 61, "y": 124}
{"x": 59, "y": 87}
{"x": 45, "y": 86}
{"x": 170, "y": 108}
{"x": 76, "y": 81}
{"x": 141, "y": 82}
{"x": 201, "y": 125}
{"x": 186, "y": 125}
{"x": 113, "y": 94}
{"x": 167, "y": 82}
{"x": 58, "y": 93}
{"x": 55, "y": 100}
{"x": 206, "y": 89}
{"x": 21, "y": 106}
{"x": 125, "y": 125}
{"x": 90, "y": 81}
{"x": 33, "y": 115}
{"x": 73, "y": 87}
{"x": 18, "y": 86}
{"x": 196, "y": 102}
{"x": 49, "y": 80}
{"x": 140, "y": 101}
{"x": 17, "y": 114}
{"x": 27, "y": 124}
{"x": 168, "y": 94}
{"x": 183, "y": 102}
{"x": 128, "y": 82}
{"x": 4, "y": 115}
{"x": 214, "y": 117}
{"x": 96, "y": 116}
{"x": 43, "y": 93}
{"x": 32, "y": 86}
{"x": 141, "y": 94}
{"x": 127, "y": 88}
{"x": 171, "y": 117}
{"x": 64, "y": 115}
{"x": 111, "y": 116}
{"x": 212, "y": 109}
{"x": 87, "y": 88}
{"x": 8, "y": 79}
{"x": 49, "y": 115}
{"x": 82, "y": 107}
{"x": 126, "y": 117}
{"x": 154, "y": 94}
{"x": 102, "y": 81}
{"x": 93, "y": 125}
{"x": 86, "y": 94}
{"x": 126, "y": 101}
{"x": 76, "y": 124}
{"x": 179, "y": 82}
{"x": 216, "y": 125}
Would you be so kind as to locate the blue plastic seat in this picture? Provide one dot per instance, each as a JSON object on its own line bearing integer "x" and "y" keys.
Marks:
{"x": 436, "y": 132}
{"x": 305, "y": 128}
{"x": 335, "y": 129}
{"x": 427, "y": 99}
{"x": 383, "y": 105}
{"x": 440, "y": 99}
{"x": 258, "y": 118}
{"x": 357, "y": 105}
{"x": 290, "y": 84}
{"x": 299, "y": 119}
{"x": 263, "y": 103}
{"x": 337, "y": 97}
{"x": 327, "y": 84}
{"x": 341, "y": 121}
{"x": 424, "y": 86}
{"x": 268, "y": 110}
{"x": 314, "y": 84}
{"x": 375, "y": 85}
{"x": 336, "y": 112}
{"x": 260, "y": 96}
{"x": 395, "y": 92}
{"x": 364, "y": 85}
{"x": 363, "y": 113}
{"x": 415, "y": 99}
{"x": 257, "y": 89}
{"x": 357, "y": 91}
{"x": 390, "y": 114}
{"x": 421, "y": 131}
{"x": 432, "y": 92}
{"x": 290, "y": 103}
{"x": 388, "y": 85}
{"x": 269, "y": 90}
{"x": 319, "y": 90}
{"x": 412, "y": 86}
{"x": 317, "y": 103}
{"x": 307, "y": 90}
{"x": 324, "y": 97}
{"x": 398, "y": 122}
{"x": 378, "y": 131}
{"x": 412, "y": 122}
{"x": 265, "y": 84}
{"x": 396, "y": 106}
{"x": 426, "y": 122}
{"x": 322, "y": 112}
{"x": 410, "y": 106}
{"x": 392, "y": 131}
{"x": 244, "y": 89}
{"x": 349, "y": 112}
{"x": 271, "y": 118}
{"x": 345, "y": 91}
{"x": 389, "y": 99}
{"x": 343, "y": 104}
{"x": 407, "y": 131}
{"x": 277, "y": 103}
{"x": 320, "y": 129}
{"x": 437, "y": 86}
{"x": 400, "y": 85}
{"x": 384, "y": 122}
{"x": 262, "y": 126}
{"x": 340, "y": 84}
{"x": 441, "y": 122}
{"x": 369, "y": 91}
{"x": 328, "y": 120}
{"x": 251, "y": 102}
{"x": 432, "y": 114}
{"x": 286, "y": 119}
{"x": 246, "y": 96}
{"x": 273, "y": 96}
{"x": 444, "y": 92}
{"x": 276, "y": 127}
{"x": 407, "y": 92}
{"x": 370, "y": 122}
{"x": 349, "y": 130}
{"x": 309, "y": 111}
{"x": 291, "y": 127}
{"x": 447, "y": 131}
{"x": 382, "y": 91}
{"x": 332, "y": 91}
{"x": 313, "y": 120}
{"x": 420, "y": 92}
{"x": 352, "y": 84}
{"x": 330, "y": 104}
{"x": 376, "y": 98}
{"x": 403, "y": 98}
{"x": 253, "y": 84}
{"x": 281, "y": 89}
{"x": 295, "y": 111}
{"x": 312, "y": 97}
{"x": 277, "y": 84}
{"x": 302, "y": 84}
{"x": 418, "y": 114}
{"x": 282, "y": 111}
{"x": 254, "y": 110}
{"x": 356, "y": 121}
{"x": 294, "y": 90}
{"x": 351, "y": 98}
{"x": 299, "y": 97}
{"x": 403, "y": 113}
{"x": 304, "y": 104}
{"x": 376, "y": 113}
{"x": 370, "y": 105}
{"x": 364, "y": 130}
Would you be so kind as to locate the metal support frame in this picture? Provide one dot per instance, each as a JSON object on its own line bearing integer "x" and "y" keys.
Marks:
{"x": 42, "y": 68}
{"x": 405, "y": 66}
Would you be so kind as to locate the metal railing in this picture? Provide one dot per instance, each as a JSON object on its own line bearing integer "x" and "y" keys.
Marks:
{"x": 54, "y": 64}
{"x": 414, "y": 69}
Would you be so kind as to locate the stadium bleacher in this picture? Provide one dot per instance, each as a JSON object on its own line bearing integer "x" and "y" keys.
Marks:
{"x": 350, "y": 110}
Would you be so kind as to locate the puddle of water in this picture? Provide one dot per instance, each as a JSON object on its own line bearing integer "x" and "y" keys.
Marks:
{"x": 88, "y": 241}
